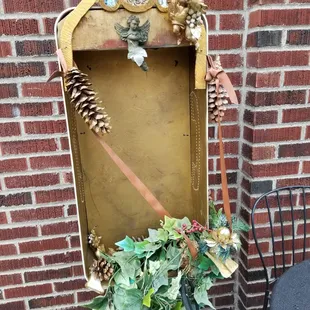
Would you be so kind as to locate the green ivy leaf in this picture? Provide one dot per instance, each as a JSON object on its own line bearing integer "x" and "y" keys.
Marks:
{"x": 173, "y": 257}
{"x": 169, "y": 224}
{"x": 205, "y": 263}
{"x": 153, "y": 235}
{"x": 121, "y": 278}
{"x": 239, "y": 225}
{"x": 125, "y": 299}
{"x": 147, "y": 298}
{"x": 98, "y": 303}
{"x": 140, "y": 247}
{"x": 174, "y": 288}
{"x": 160, "y": 280}
{"x": 201, "y": 295}
{"x": 183, "y": 222}
{"x": 162, "y": 235}
{"x": 126, "y": 244}
{"x": 178, "y": 306}
{"x": 129, "y": 263}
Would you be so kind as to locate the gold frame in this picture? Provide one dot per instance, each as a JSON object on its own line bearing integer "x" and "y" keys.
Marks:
{"x": 198, "y": 128}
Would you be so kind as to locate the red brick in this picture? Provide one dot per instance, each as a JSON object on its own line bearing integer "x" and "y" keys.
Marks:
{"x": 231, "y": 115}
{"x": 231, "y": 60}
{"x": 3, "y": 219}
{"x": 233, "y": 194}
{"x": 45, "y": 275}
{"x": 60, "y": 228}
{"x": 49, "y": 24}
{"x": 51, "y": 301}
{"x": 5, "y": 49}
{"x": 297, "y": 77}
{"x": 215, "y": 179}
{"x": 72, "y": 210}
{"x": 61, "y": 108}
{"x": 70, "y": 285}
{"x": 272, "y": 134}
{"x": 231, "y": 21}
{"x": 260, "y": 118}
{"x": 19, "y": 27}
{"x": 215, "y": 5}
{"x": 55, "y": 195}
{"x": 262, "y": 2}
{"x": 300, "y": 228}
{"x": 230, "y": 148}
{"x": 306, "y": 167}
{"x": 293, "y": 182}
{"x": 220, "y": 288}
{"x": 7, "y": 249}
{"x": 75, "y": 242}
{"x": 15, "y": 199}
{"x": 41, "y": 90}
{"x": 43, "y": 213}
{"x": 308, "y": 132}
{"x": 299, "y": 243}
{"x": 20, "y": 264}
{"x": 16, "y": 305}
{"x": 231, "y": 131}
{"x": 298, "y": 37}
{"x": 35, "y": 109}
{"x": 63, "y": 258}
{"x": 35, "y": 6}
{"x": 8, "y": 91}
{"x": 260, "y": 80}
{"x": 235, "y": 78}
{"x": 9, "y": 129}
{"x": 277, "y": 59}
{"x": 12, "y": 165}
{"x": 28, "y": 146}
{"x": 18, "y": 233}
{"x": 211, "y": 21}
{"x": 86, "y": 296}
{"x": 44, "y": 162}
{"x": 258, "y": 153}
{"x": 224, "y": 301}
{"x": 12, "y": 279}
{"x": 225, "y": 41}
{"x": 28, "y": 291}
{"x": 294, "y": 150}
{"x": 296, "y": 115}
{"x": 45, "y": 127}
{"x": 43, "y": 245}
{"x": 78, "y": 271}
{"x": 279, "y": 17}
{"x": 37, "y": 180}
{"x": 231, "y": 163}
{"x": 276, "y": 98}
{"x": 6, "y": 110}
{"x": 10, "y": 70}
{"x": 35, "y": 48}
{"x": 68, "y": 177}
{"x": 265, "y": 232}
{"x": 269, "y": 170}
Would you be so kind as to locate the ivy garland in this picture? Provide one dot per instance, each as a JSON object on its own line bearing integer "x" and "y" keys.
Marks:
{"x": 159, "y": 272}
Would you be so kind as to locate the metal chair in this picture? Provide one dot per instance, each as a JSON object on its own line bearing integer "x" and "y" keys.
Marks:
{"x": 286, "y": 205}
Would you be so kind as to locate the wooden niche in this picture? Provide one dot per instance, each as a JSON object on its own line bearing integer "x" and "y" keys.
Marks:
{"x": 159, "y": 128}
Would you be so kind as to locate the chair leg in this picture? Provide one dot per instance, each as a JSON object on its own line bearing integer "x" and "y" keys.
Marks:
{"x": 266, "y": 299}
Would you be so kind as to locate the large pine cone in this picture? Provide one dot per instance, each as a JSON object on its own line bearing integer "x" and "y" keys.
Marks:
{"x": 101, "y": 270}
{"x": 85, "y": 101}
{"x": 216, "y": 103}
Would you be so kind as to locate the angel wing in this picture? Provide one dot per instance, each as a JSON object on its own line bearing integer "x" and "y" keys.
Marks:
{"x": 144, "y": 31}
{"x": 122, "y": 31}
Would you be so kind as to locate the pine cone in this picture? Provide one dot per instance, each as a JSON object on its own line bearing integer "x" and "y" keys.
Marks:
{"x": 101, "y": 270}
{"x": 93, "y": 239}
{"x": 84, "y": 99}
{"x": 216, "y": 103}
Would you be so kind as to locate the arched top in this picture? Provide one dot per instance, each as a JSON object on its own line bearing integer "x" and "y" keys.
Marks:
{"x": 134, "y": 6}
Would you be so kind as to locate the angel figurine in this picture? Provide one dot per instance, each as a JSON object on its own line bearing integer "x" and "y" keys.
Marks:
{"x": 135, "y": 36}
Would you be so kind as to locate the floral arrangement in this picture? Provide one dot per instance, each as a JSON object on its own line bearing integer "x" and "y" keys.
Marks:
{"x": 171, "y": 269}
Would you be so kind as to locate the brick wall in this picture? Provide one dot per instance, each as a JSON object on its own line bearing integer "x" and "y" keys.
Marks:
{"x": 265, "y": 49}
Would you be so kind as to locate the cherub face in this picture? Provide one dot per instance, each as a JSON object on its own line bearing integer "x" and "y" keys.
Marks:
{"x": 134, "y": 24}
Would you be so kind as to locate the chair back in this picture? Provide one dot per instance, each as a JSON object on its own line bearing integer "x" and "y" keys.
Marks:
{"x": 283, "y": 242}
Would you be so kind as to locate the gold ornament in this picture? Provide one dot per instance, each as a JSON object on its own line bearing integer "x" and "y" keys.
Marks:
{"x": 84, "y": 99}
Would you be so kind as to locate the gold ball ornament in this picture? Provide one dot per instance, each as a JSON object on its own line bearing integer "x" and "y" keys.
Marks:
{"x": 223, "y": 234}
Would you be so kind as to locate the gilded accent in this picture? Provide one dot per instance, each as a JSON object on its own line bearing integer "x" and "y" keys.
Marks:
{"x": 133, "y": 8}
{"x": 196, "y": 161}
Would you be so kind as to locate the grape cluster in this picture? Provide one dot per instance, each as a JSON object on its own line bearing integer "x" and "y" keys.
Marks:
{"x": 193, "y": 19}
